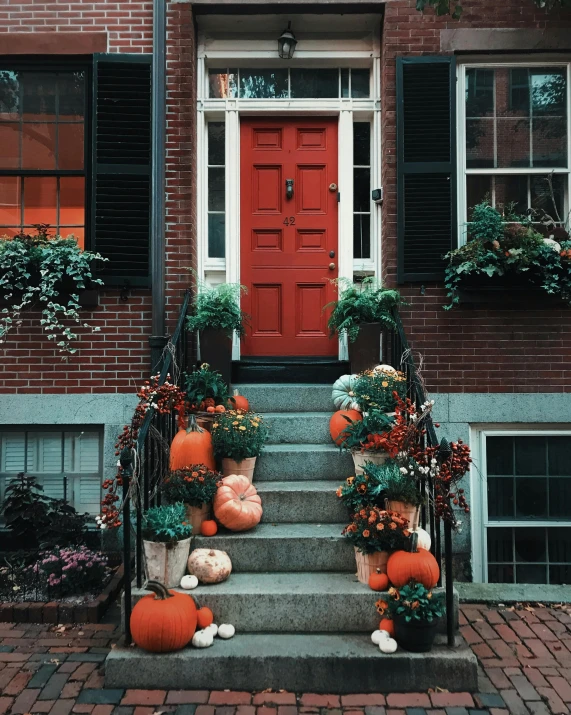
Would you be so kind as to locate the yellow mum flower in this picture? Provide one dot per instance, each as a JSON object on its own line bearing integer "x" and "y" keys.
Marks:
{"x": 242, "y": 427}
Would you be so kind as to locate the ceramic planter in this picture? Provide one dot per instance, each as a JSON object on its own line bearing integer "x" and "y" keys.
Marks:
{"x": 216, "y": 350}
{"x": 368, "y": 564}
{"x": 245, "y": 467}
{"x": 365, "y": 352}
{"x": 409, "y": 511}
{"x": 415, "y": 636}
{"x": 166, "y": 562}
{"x": 360, "y": 458}
{"x": 195, "y": 515}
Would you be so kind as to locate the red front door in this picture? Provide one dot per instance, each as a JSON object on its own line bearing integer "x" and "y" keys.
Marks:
{"x": 288, "y": 238}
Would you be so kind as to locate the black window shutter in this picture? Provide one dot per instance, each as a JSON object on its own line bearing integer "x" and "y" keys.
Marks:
{"x": 121, "y": 166}
{"x": 426, "y": 165}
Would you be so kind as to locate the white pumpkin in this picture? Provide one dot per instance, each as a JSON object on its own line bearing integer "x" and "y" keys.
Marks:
{"x": 212, "y": 628}
{"x": 226, "y": 630}
{"x": 388, "y": 645}
{"x": 424, "y": 540}
{"x": 389, "y": 369}
{"x": 378, "y": 636}
{"x": 202, "y": 639}
{"x": 342, "y": 394}
{"x": 209, "y": 565}
{"x": 188, "y": 582}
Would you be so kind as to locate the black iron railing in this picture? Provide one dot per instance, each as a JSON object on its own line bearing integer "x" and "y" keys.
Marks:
{"x": 400, "y": 356}
{"x": 156, "y": 432}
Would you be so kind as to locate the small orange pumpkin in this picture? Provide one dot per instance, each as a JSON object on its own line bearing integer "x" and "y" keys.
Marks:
{"x": 387, "y": 625}
{"x": 237, "y": 505}
{"x": 208, "y": 527}
{"x": 211, "y": 409}
{"x": 378, "y": 581}
{"x": 192, "y": 445}
{"x": 163, "y": 620}
{"x": 416, "y": 565}
{"x": 219, "y": 408}
{"x": 339, "y": 421}
{"x": 239, "y": 402}
{"x": 204, "y": 617}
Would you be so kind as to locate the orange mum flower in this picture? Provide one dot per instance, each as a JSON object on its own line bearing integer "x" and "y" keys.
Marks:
{"x": 366, "y": 533}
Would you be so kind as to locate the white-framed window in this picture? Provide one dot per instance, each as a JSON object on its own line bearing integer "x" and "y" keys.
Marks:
{"x": 514, "y": 137}
{"x": 67, "y": 462}
{"x": 523, "y": 495}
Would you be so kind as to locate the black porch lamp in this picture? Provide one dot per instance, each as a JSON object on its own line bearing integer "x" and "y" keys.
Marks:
{"x": 286, "y": 43}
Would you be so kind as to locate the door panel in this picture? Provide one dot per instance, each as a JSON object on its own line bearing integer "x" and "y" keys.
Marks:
{"x": 288, "y": 243}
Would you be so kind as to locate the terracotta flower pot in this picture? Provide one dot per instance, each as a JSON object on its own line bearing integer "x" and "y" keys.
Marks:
{"x": 195, "y": 515}
{"x": 359, "y": 459}
{"x": 368, "y": 564}
{"x": 166, "y": 562}
{"x": 245, "y": 467}
{"x": 409, "y": 511}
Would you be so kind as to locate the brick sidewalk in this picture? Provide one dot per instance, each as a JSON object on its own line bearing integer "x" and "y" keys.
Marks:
{"x": 525, "y": 657}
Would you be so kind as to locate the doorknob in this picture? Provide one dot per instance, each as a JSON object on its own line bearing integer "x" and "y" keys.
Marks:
{"x": 332, "y": 266}
{"x": 289, "y": 188}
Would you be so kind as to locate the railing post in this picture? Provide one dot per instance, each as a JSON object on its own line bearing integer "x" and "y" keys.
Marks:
{"x": 449, "y": 582}
{"x": 126, "y": 460}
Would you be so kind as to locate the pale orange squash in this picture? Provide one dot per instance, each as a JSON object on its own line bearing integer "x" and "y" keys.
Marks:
{"x": 237, "y": 505}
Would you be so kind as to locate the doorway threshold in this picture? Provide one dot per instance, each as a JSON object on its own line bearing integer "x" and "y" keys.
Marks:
{"x": 305, "y": 369}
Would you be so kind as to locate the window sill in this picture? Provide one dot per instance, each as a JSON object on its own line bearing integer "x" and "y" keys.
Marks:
{"x": 88, "y": 298}
{"x": 506, "y": 292}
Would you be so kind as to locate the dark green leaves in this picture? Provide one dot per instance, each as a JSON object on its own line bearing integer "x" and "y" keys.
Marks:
{"x": 219, "y": 308}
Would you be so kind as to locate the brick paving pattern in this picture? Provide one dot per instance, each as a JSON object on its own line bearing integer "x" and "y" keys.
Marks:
{"x": 524, "y": 655}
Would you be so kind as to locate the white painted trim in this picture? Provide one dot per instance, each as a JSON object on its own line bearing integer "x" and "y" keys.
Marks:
{"x": 479, "y": 493}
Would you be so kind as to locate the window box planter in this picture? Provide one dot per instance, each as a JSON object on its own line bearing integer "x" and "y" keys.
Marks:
{"x": 507, "y": 291}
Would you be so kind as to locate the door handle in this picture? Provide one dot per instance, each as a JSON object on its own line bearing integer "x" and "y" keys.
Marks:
{"x": 332, "y": 266}
{"x": 289, "y": 188}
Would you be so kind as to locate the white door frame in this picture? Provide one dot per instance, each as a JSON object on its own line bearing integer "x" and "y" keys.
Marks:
{"x": 348, "y": 52}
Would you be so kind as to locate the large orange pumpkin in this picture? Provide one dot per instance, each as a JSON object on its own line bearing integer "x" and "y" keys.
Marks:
{"x": 192, "y": 445}
{"x": 338, "y": 423}
{"x": 237, "y": 505}
{"x": 416, "y": 565}
{"x": 163, "y": 620}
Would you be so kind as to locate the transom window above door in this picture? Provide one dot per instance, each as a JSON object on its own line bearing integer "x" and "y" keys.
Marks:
{"x": 289, "y": 83}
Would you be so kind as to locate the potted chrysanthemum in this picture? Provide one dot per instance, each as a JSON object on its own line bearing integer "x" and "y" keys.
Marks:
{"x": 238, "y": 439}
{"x": 196, "y": 488}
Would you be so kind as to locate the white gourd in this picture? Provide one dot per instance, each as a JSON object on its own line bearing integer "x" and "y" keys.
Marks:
{"x": 202, "y": 639}
{"x": 188, "y": 582}
{"x": 389, "y": 369}
{"x": 342, "y": 394}
{"x": 388, "y": 645}
{"x": 212, "y": 628}
{"x": 424, "y": 540}
{"x": 378, "y": 636}
{"x": 226, "y": 630}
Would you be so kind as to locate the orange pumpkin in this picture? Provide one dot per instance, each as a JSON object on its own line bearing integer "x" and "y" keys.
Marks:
{"x": 338, "y": 423}
{"x": 204, "y": 617}
{"x": 163, "y": 620}
{"x": 378, "y": 581}
{"x": 208, "y": 527}
{"x": 237, "y": 505}
{"x": 192, "y": 445}
{"x": 211, "y": 409}
{"x": 239, "y": 402}
{"x": 416, "y": 565}
{"x": 219, "y": 408}
{"x": 387, "y": 625}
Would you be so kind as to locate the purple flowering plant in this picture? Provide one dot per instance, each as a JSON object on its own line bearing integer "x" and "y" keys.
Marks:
{"x": 72, "y": 570}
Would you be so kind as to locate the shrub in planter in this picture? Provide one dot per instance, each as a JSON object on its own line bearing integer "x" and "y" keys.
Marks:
{"x": 366, "y": 438}
{"x": 415, "y": 613}
{"x": 196, "y": 487}
{"x": 237, "y": 437}
{"x": 204, "y": 388}
{"x": 48, "y": 272}
{"x": 72, "y": 570}
{"x": 166, "y": 541}
{"x": 375, "y": 389}
{"x": 400, "y": 486}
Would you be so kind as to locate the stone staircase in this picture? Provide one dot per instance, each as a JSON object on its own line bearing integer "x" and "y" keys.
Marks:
{"x": 303, "y": 621}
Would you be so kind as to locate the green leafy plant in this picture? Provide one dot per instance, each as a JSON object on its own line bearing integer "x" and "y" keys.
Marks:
{"x": 451, "y": 7}
{"x": 40, "y": 270}
{"x": 195, "y": 486}
{"x": 395, "y": 484}
{"x": 360, "y": 434}
{"x": 373, "y": 529}
{"x": 166, "y": 523}
{"x": 504, "y": 245}
{"x": 205, "y": 384}
{"x": 218, "y": 307}
{"x": 361, "y": 491}
{"x": 414, "y": 602}
{"x": 239, "y": 435}
{"x": 375, "y": 389}
{"x": 368, "y": 302}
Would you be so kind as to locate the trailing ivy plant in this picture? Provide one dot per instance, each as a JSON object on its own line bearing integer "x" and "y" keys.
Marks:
{"x": 35, "y": 270}
{"x": 368, "y": 302}
{"x": 218, "y": 307}
{"x": 506, "y": 244}
{"x": 450, "y": 7}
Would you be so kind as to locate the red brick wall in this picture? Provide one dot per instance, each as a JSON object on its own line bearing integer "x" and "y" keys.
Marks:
{"x": 467, "y": 350}
{"x": 117, "y": 358}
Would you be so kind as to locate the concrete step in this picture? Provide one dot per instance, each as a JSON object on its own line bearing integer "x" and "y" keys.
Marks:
{"x": 295, "y": 397}
{"x": 293, "y": 603}
{"x": 331, "y": 663}
{"x": 285, "y": 547}
{"x": 298, "y": 427}
{"x": 303, "y": 462}
{"x": 305, "y": 502}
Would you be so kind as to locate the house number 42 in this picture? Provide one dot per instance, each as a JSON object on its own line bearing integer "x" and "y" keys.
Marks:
{"x": 289, "y": 221}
